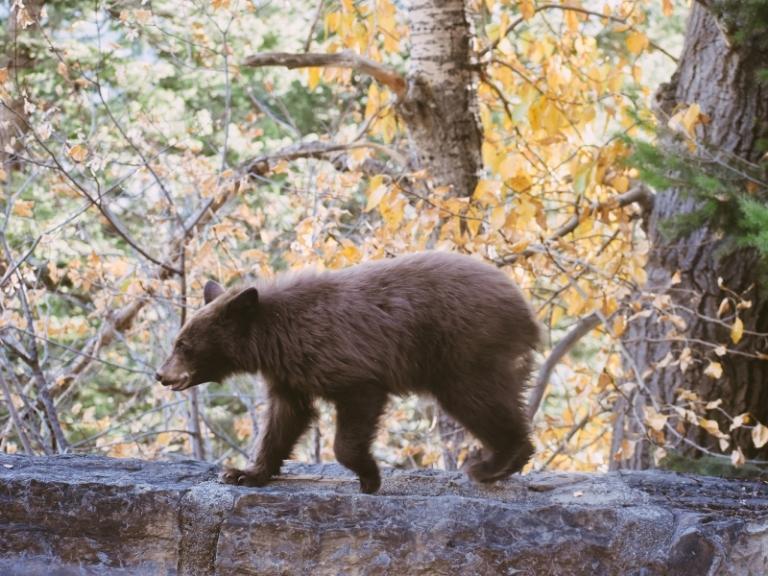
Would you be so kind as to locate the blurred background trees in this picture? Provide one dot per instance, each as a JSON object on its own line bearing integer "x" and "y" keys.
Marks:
{"x": 150, "y": 146}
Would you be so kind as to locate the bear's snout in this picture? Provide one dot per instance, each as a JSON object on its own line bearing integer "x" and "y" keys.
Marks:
{"x": 172, "y": 375}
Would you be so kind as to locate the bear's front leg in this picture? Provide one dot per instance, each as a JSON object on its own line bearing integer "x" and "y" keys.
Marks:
{"x": 357, "y": 416}
{"x": 288, "y": 417}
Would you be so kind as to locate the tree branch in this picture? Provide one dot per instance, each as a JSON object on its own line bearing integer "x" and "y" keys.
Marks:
{"x": 123, "y": 318}
{"x": 582, "y": 328}
{"x": 639, "y": 194}
{"x": 541, "y": 8}
{"x": 346, "y": 59}
{"x": 15, "y": 416}
{"x": 263, "y": 164}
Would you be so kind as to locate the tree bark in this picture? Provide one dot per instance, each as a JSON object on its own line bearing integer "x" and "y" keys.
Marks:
{"x": 721, "y": 77}
{"x": 440, "y": 104}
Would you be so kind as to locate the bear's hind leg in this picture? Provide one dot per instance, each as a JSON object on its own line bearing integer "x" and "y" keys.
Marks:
{"x": 496, "y": 417}
{"x": 357, "y": 418}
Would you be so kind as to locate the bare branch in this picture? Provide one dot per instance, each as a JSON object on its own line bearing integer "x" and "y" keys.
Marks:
{"x": 582, "y": 328}
{"x": 346, "y": 59}
{"x": 315, "y": 20}
{"x": 33, "y": 361}
{"x": 15, "y": 416}
{"x": 262, "y": 165}
{"x": 122, "y": 319}
{"x": 116, "y": 224}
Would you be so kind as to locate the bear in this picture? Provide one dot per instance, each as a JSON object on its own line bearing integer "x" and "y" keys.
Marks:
{"x": 435, "y": 323}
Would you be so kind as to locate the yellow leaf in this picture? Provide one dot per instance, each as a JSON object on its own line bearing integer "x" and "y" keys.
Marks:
{"x": 350, "y": 251}
{"x": 219, "y": 4}
{"x": 737, "y": 458}
{"x": 3, "y": 75}
{"x": 619, "y": 326}
{"x": 711, "y": 427}
{"x": 487, "y": 192}
{"x": 760, "y": 435}
{"x": 572, "y": 20}
{"x": 121, "y": 450}
{"x": 687, "y": 119}
{"x": 144, "y": 16}
{"x": 714, "y": 370}
{"x": 525, "y": 212}
{"x": 691, "y": 117}
{"x": 117, "y": 268}
{"x": 737, "y": 330}
{"x": 78, "y": 153}
{"x": 332, "y": 20}
{"x": 23, "y": 208}
{"x": 373, "y": 102}
{"x": 376, "y": 191}
{"x": 685, "y": 359}
{"x": 666, "y": 7}
{"x": 520, "y": 182}
{"x": 509, "y": 166}
{"x": 620, "y": 184}
{"x": 625, "y": 451}
{"x": 243, "y": 427}
{"x": 498, "y": 217}
{"x": 575, "y": 302}
{"x": 473, "y": 220}
{"x": 637, "y": 42}
{"x": 527, "y": 9}
{"x": 393, "y": 208}
{"x": 314, "y": 78}
{"x": 654, "y": 419}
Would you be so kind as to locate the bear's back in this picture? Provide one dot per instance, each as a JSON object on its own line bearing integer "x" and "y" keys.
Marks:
{"x": 407, "y": 322}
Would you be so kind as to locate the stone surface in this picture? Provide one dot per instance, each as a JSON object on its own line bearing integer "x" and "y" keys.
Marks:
{"x": 70, "y": 515}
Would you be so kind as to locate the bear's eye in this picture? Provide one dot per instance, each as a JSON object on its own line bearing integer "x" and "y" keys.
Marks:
{"x": 182, "y": 347}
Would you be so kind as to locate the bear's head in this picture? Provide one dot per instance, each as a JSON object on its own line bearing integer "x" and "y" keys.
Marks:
{"x": 214, "y": 343}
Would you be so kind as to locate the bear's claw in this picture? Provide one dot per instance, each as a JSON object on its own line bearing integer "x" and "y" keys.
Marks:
{"x": 247, "y": 477}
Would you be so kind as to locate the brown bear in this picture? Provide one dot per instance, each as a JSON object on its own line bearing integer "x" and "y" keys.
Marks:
{"x": 434, "y": 322}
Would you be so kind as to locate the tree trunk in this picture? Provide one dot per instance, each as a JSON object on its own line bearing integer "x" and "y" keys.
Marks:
{"x": 720, "y": 76}
{"x": 441, "y": 115}
{"x": 440, "y": 104}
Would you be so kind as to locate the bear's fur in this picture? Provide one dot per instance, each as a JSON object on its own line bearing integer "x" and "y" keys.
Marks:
{"x": 436, "y": 323}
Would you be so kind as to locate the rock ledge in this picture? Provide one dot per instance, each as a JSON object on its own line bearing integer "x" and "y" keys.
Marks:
{"x": 70, "y": 515}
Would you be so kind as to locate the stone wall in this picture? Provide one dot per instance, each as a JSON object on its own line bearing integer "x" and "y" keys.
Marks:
{"x": 71, "y": 515}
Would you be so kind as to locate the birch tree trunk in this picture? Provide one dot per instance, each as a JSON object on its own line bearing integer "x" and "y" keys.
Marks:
{"x": 440, "y": 104}
{"x": 719, "y": 75}
{"x": 440, "y": 111}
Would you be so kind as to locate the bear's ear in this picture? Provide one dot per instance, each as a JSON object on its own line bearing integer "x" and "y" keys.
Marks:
{"x": 244, "y": 303}
{"x": 212, "y": 291}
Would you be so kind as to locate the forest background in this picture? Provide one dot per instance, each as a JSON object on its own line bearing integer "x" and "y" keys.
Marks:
{"x": 608, "y": 155}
